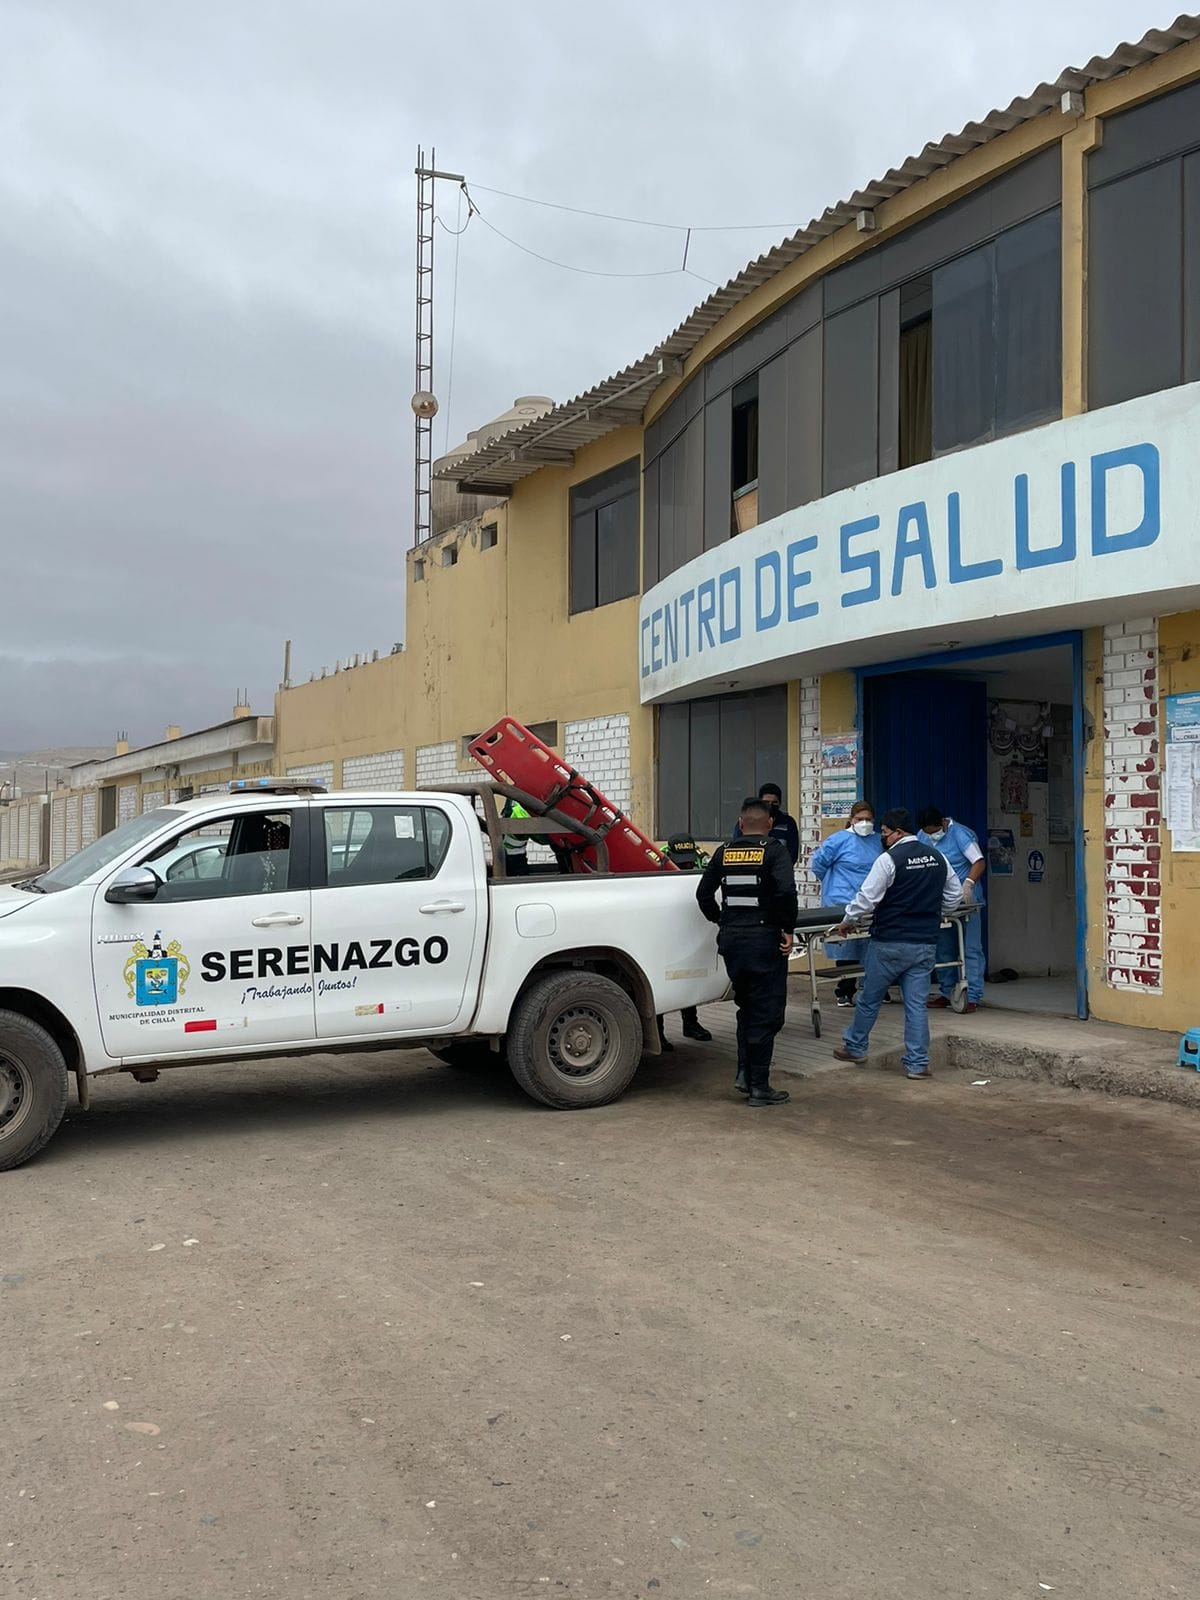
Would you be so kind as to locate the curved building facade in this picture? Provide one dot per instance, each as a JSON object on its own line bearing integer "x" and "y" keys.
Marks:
{"x": 909, "y": 508}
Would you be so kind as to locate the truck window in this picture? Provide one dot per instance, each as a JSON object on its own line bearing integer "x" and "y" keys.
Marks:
{"x": 95, "y": 856}
{"x": 249, "y": 853}
{"x": 383, "y": 844}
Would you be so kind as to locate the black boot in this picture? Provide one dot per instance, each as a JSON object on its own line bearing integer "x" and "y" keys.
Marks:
{"x": 768, "y": 1097}
{"x": 692, "y": 1028}
{"x": 741, "y": 1083}
{"x": 664, "y": 1044}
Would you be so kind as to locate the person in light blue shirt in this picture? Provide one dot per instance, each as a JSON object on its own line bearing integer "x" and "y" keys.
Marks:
{"x": 840, "y": 865}
{"x": 960, "y": 846}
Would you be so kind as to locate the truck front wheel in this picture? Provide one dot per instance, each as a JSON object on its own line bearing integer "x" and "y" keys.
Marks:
{"x": 33, "y": 1088}
{"x": 575, "y": 1040}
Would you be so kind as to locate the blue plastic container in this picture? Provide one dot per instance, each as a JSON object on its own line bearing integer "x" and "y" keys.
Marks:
{"x": 1189, "y": 1050}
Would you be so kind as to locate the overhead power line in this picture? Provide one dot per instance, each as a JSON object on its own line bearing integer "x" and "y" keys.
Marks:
{"x": 569, "y": 266}
{"x": 644, "y": 222}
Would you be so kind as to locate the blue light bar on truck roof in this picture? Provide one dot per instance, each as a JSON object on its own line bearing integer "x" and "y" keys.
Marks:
{"x": 276, "y": 786}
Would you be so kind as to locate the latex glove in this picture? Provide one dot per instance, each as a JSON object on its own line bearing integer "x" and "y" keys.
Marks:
{"x": 968, "y": 890}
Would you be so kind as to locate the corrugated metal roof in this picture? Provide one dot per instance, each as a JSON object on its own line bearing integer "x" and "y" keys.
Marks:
{"x": 621, "y": 399}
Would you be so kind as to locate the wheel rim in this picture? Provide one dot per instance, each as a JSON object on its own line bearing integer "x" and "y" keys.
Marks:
{"x": 16, "y": 1095}
{"x": 581, "y": 1041}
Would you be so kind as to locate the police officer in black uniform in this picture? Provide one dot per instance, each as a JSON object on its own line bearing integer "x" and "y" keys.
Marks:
{"x": 758, "y": 910}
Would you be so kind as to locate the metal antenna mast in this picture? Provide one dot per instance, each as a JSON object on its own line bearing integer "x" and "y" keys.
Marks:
{"x": 424, "y": 400}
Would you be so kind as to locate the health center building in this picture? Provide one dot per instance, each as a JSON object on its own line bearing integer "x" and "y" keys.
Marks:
{"x": 909, "y": 509}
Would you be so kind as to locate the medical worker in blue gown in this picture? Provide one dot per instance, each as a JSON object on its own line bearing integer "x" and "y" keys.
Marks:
{"x": 960, "y": 846}
{"x": 840, "y": 865}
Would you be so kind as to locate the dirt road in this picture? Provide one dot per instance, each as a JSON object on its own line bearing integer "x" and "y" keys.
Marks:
{"x": 371, "y": 1327}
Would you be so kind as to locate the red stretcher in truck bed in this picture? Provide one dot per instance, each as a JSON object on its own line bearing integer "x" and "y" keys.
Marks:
{"x": 510, "y": 754}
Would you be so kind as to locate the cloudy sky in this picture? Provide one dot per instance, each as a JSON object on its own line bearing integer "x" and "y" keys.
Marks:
{"x": 206, "y": 279}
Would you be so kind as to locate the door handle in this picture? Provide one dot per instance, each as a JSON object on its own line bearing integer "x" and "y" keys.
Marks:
{"x": 277, "y": 919}
{"x": 434, "y": 906}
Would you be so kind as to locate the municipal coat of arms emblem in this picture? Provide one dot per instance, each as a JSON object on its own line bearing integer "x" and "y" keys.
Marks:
{"x": 157, "y": 975}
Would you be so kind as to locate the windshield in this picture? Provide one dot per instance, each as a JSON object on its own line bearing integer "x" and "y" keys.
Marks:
{"x": 107, "y": 848}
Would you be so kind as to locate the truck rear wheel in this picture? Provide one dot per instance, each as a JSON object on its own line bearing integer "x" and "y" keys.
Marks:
{"x": 575, "y": 1040}
{"x": 33, "y": 1088}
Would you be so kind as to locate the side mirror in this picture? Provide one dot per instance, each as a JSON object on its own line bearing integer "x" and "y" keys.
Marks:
{"x": 135, "y": 883}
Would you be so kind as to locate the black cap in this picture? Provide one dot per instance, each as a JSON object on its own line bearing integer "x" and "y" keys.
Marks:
{"x": 681, "y": 848}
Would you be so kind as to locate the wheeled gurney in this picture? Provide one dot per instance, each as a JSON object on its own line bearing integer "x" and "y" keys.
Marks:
{"x": 818, "y": 926}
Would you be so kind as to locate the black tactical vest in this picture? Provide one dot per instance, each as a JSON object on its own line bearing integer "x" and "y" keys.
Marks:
{"x": 747, "y": 892}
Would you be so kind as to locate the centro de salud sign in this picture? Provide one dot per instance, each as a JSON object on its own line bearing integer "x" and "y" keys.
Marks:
{"x": 1074, "y": 523}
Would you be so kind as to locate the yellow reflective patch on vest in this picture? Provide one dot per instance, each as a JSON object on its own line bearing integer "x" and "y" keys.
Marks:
{"x": 744, "y": 855}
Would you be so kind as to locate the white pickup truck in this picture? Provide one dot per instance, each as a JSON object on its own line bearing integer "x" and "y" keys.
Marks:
{"x": 284, "y": 920}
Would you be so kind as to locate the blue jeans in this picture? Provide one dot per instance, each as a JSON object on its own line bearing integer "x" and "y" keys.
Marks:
{"x": 947, "y": 950}
{"x": 909, "y": 965}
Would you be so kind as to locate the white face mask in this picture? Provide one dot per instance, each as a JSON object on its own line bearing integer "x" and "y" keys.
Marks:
{"x": 863, "y": 828}
{"x": 937, "y": 835}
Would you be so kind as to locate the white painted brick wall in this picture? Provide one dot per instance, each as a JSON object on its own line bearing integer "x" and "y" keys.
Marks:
{"x": 89, "y": 818}
{"x": 599, "y": 748}
{"x": 127, "y": 802}
{"x": 382, "y": 771}
{"x": 314, "y": 772}
{"x": 437, "y": 763}
{"x": 73, "y": 809}
{"x": 58, "y": 830}
{"x": 5, "y": 851}
{"x": 153, "y": 798}
{"x": 806, "y": 806}
{"x": 23, "y": 834}
{"x": 1132, "y": 808}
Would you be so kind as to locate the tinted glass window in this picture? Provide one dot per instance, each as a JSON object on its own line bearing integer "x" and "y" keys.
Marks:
{"x": 996, "y": 332}
{"x": 604, "y": 538}
{"x": 246, "y": 854}
{"x": 383, "y": 844}
{"x": 963, "y": 369}
{"x": 1168, "y": 125}
{"x": 1029, "y": 323}
{"x": 1135, "y": 285}
{"x": 712, "y": 753}
{"x": 673, "y": 774}
{"x": 94, "y": 857}
{"x": 850, "y": 390}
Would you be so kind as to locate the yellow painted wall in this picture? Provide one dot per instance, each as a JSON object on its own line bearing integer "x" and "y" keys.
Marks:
{"x": 487, "y": 636}
{"x": 1178, "y": 1007}
{"x": 839, "y": 714}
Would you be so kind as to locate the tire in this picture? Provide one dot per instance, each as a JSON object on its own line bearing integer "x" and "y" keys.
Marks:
{"x": 816, "y": 1019}
{"x": 468, "y": 1055}
{"x": 33, "y": 1089}
{"x": 958, "y": 1000}
{"x": 574, "y": 1040}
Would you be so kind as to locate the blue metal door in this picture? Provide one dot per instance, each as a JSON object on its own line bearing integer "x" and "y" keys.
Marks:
{"x": 925, "y": 743}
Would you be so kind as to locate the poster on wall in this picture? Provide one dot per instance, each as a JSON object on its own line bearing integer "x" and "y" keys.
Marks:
{"x": 1014, "y": 788}
{"x": 1002, "y": 850}
{"x": 1183, "y": 718}
{"x": 839, "y": 774}
{"x": 1183, "y": 794}
{"x": 1183, "y": 770}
